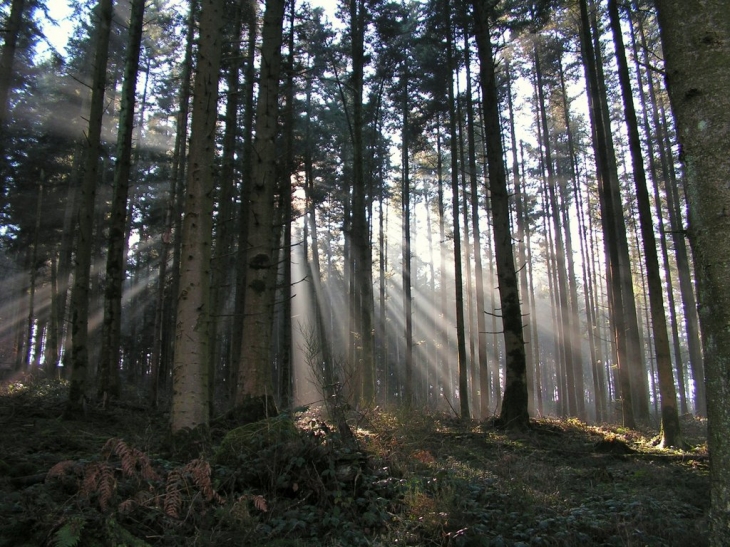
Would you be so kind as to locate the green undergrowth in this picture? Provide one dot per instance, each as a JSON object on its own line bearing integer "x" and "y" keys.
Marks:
{"x": 294, "y": 479}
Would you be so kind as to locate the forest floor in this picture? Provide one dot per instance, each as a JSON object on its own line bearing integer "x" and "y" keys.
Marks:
{"x": 298, "y": 480}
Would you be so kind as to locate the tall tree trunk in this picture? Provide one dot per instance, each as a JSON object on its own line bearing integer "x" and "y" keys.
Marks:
{"x": 7, "y": 57}
{"x": 566, "y": 332}
{"x": 495, "y": 361}
{"x": 678, "y": 233}
{"x": 612, "y": 223}
{"x": 254, "y": 376}
{"x": 222, "y": 259}
{"x": 555, "y": 312}
{"x": 458, "y": 276}
{"x": 361, "y": 289}
{"x": 590, "y": 321}
{"x": 521, "y": 238}
{"x": 249, "y": 111}
{"x": 286, "y": 376}
{"x": 696, "y": 42}
{"x": 80, "y": 293}
{"x": 599, "y": 385}
{"x": 670, "y": 417}
{"x": 444, "y": 369}
{"x": 51, "y": 357}
{"x": 530, "y": 295}
{"x": 659, "y": 212}
{"x": 191, "y": 362}
{"x": 173, "y": 206}
{"x": 406, "y": 246}
{"x": 514, "y": 405}
{"x": 433, "y": 329}
{"x": 33, "y": 263}
{"x": 319, "y": 295}
{"x": 637, "y": 368}
{"x": 465, "y": 207}
{"x": 65, "y": 254}
{"x": 108, "y": 381}
{"x": 687, "y": 288}
{"x": 483, "y": 364}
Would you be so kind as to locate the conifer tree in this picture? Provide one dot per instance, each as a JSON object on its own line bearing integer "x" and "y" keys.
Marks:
{"x": 80, "y": 292}
{"x": 696, "y": 44}
{"x": 190, "y": 393}
{"x": 514, "y": 412}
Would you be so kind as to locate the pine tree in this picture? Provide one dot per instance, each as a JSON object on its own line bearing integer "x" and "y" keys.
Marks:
{"x": 696, "y": 43}
{"x": 109, "y": 383}
{"x": 191, "y": 362}
{"x": 80, "y": 292}
{"x": 670, "y": 417}
{"x": 254, "y": 375}
{"x": 514, "y": 404}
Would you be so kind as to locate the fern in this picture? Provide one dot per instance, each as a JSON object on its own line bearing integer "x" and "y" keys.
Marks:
{"x": 134, "y": 461}
{"x": 107, "y": 486}
{"x": 60, "y": 469}
{"x": 121, "y": 537}
{"x": 69, "y": 534}
{"x": 173, "y": 497}
{"x": 200, "y": 471}
{"x": 259, "y": 502}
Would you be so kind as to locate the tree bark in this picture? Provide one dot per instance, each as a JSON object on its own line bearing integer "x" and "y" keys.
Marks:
{"x": 406, "y": 246}
{"x": 678, "y": 233}
{"x": 255, "y": 374}
{"x": 191, "y": 362}
{"x": 249, "y": 113}
{"x": 696, "y": 41}
{"x": 362, "y": 295}
{"x": 80, "y": 293}
{"x": 157, "y": 363}
{"x": 514, "y": 412}
{"x": 670, "y": 417}
{"x": 567, "y": 330}
{"x": 7, "y": 56}
{"x": 612, "y": 224}
{"x": 483, "y": 384}
{"x": 222, "y": 260}
{"x": 109, "y": 382}
{"x": 521, "y": 237}
{"x": 659, "y": 212}
{"x": 458, "y": 275}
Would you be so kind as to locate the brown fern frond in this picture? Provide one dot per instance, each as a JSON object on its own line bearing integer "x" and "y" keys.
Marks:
{"x": 126, "y": 507}
{"x": 259, "y": 502}
{"x": 127, "y": 455}
{"x": 145, "y": 466}
{"x": 133, "y": 460}
{"x": 173, "y": 498}
{"x": 107, "y": 487}
{"x": 60, "y": 469}
{"x": 91, "y": 478}
{"x": 110, "y": 447}
{"x": 200, "y": 471}
{"x": 129, "y": 464}
{"x": 145, "y": 498}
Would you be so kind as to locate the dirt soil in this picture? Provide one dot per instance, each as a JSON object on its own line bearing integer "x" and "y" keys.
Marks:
{"x": 117, "y": 478}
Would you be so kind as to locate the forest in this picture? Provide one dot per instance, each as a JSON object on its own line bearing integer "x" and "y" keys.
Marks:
{"x": 364, "y": 272}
